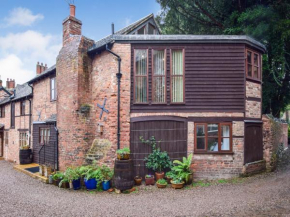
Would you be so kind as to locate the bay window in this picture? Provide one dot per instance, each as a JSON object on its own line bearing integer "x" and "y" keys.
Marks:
{"x": 213, "y": 137}
{"x": 177, "y": 71}
{"x": 158, "y": 79}
{"x": 141, "y": 76}
{"x": 253, "y": 65}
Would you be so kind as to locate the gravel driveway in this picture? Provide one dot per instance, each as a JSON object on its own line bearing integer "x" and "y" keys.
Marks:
{"x": 262, "y": 195}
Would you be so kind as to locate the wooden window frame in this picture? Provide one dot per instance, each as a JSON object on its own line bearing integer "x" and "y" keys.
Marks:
{"x": 47, "y": 137}
{"x": 205, "y": 151}
{"x": 22, "y": 107}
{"x": 12, "y": 121}
{"x": 252, "y": 65}
{"x": 54, "y": 89}
{"x": 21, "y": 140}
{"x": 171, "y": 76}
{"x": 2, "y": 112}
{"x": 134, "y": 80}
{"x": 153, "y": 76}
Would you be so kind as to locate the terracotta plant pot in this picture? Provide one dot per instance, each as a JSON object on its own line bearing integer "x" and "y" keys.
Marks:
{"x": 138, "y": 180}
{"x": 161, "y": 186}
{"x": 123, "y": 156}
{"x": 159, "y": 175}
{"x": 177, "y": 186}
{"x": 149, "y": 181}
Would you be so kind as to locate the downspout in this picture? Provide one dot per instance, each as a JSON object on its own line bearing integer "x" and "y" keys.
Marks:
{"x": 30, "y": 114}
{"x": 56, "y": 157}
{"x": 119, "y": 76}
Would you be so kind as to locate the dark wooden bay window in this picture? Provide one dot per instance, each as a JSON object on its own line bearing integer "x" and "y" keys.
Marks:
{"x": 177, "y": 76}
{"x": 158, "y": 79}
{"x": 253, "y": 62}
{"x": 213, "y": 137}
{"x": 141, "y": 76}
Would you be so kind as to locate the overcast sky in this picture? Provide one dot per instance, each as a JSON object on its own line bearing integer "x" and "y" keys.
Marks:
{"x": 31, "y": 30}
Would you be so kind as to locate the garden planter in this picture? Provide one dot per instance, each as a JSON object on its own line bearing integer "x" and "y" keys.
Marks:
{"x": 190, "y": 179}
{"x": 106, "y": 185}
{"x": 91, "y": 184}
{"x": 161, "y": 185}
{"x": 123, "y": 156}
{"x": 138, "y": 180}
{"x": 56, "y": 182}
{"x": 168, "y": 179}
{"x": 150, "y": 181}
{"x": 159, "y": 175}
{"x": 76, "y": 184}
{"x": 25, "y": 156}
{"x": 177, "y": 186}
{"x": 64, "y": 185}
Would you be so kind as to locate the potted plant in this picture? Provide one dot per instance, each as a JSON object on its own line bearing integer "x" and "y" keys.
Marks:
{"x": 169, "y": 175}
{"x": 64, "y": 182}
{"x": 105, "y": 177}
{"x": 183, "y": 169}
{"x": 57, "y": 177}
{"x": 157, "y": 160}
{"x": 177, "y": 182}
{"x": 138, "y": 178}
{"x": 91, "y": 177}
{"x": 123, "y": 154}
{"x": 161, "y": 183}
{"x": 74, "y": 177}
{"x": 149, "y": 180}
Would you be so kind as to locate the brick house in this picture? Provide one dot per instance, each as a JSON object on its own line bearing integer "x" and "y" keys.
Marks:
{"x": 195, "y": 94}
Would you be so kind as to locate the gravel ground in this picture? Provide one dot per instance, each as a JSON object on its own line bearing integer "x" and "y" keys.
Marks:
{"x": 261, "y": 195}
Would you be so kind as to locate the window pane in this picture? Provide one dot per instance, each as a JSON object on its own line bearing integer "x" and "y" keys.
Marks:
{"x": 158, "y": 56}
{"x": 151, "y": 29}
{"x": 141, "y": 31}
{"x": 200, "y": 131}
{"x": 225, "y": 146}
{"x": 256, "y": 59}
{"x": 177, "y": 89}
{"x": 159, "y": 89}
{"x": 200, "y": 143}
{"x": 249, "y": 57}
{"x": 250, "y": 70}
{"x": 225, "y": 131}
{"x": 212, "y": 144}
{"x": 255, "y": 72}
{"x": 141, "y": 89}
{"x": 177, "y": 62}
{"x": 141, "y": 62}
{"x": 52, "y": 94}
{"x": 212, "y": 130}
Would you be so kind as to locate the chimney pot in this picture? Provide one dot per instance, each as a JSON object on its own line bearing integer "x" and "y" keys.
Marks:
{"x": 72, "y": 10}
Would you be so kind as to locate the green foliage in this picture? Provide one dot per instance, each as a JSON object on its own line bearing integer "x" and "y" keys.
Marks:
{"x": 157, "y": 160}
{"x": 201, "y": 184}
{"x": 170, "y": 174}
{"x": 266, "y": 21}
{"x": 58, "y": 175}
{"x": 93, "y": 173}
{"x": 182, "y": 169}
{"x": 123, "y": 151}
{"x": 148, "y": 176}
{"x": 72, "y": 173}
{"x": 162, "y": 182}
{"x": 106, "y": 173}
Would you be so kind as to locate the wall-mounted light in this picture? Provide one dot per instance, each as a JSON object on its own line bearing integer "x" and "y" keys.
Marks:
{"x": 101, "y": 128}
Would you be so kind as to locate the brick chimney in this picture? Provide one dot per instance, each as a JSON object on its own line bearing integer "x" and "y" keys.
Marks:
{"x": 71, "y": 25}
{"x": 10, "y": 84}
{"x": 40, "y": 68}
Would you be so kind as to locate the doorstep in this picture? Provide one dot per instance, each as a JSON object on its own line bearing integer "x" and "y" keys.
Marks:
{"x": 22, "y": 168}
{"x": 1, "y": 158}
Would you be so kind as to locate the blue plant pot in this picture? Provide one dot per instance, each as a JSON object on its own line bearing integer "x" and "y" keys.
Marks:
{"x": 91, "y": 184}
{"x": 76, "y": 184}
{"x": 106, "y": 185}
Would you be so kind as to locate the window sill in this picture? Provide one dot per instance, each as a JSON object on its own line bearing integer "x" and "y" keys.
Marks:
{"x": 215, "y": 153}
{"x": 254, "y": 80}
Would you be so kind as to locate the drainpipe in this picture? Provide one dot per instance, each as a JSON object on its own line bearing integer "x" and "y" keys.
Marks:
{"x": 30, "y": 114}
{"x": 56, "y": 157}
{"x": 119, "y": 76}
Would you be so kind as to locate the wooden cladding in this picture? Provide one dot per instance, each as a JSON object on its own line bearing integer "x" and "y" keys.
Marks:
{"x": 214, "y": 78}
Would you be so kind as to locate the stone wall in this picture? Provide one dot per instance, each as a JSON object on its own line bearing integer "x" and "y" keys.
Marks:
{"x": 253, "y": 109}
{"x": 253, "y": 89}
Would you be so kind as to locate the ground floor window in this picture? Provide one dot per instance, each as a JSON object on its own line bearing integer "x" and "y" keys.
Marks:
{"x": 23, "y": 139}
{"x": 44, "y": 135}
{"x": 213, "y": 137}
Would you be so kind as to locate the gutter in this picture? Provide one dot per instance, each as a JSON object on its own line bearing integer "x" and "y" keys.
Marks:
{"x": 119, "y": 76}
{"x": 30, "y": 113}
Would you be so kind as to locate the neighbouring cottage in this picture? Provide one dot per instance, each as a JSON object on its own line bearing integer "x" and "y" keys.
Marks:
{"x": 195, "y": 94}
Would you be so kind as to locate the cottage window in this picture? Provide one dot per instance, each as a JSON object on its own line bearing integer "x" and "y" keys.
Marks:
{"x": 159, "y": 82}
{"x": 151, "y": 29}
{"x": 141, "y": 76}
{"x": 6, "y": 137}
{"x": 2, "y": 111}
{"x": 12, "y": 121}
{"x": 23, "y": 139}
{"x": 177, "y": 76}
{"x": 141, "y": 31}
{"x": 253, "y": 62}
{"x": 22, "y": 107}
{"x": 53, "y": 93}
{"x": 213, "y": 137}
{"x": 44, "y": 135}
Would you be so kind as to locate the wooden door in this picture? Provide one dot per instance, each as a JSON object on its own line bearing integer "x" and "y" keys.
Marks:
{"x": 253, "y": 142}
{"x": 172, "y": 134}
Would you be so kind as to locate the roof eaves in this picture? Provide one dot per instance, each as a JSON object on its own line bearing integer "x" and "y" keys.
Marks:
{"x": 43, "y": 74}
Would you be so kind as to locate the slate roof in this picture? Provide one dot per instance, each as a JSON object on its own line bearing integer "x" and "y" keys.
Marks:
{"x": 20, "y": 91}
{"x": 44, "y": 74}
{"x": 175, "y": 39}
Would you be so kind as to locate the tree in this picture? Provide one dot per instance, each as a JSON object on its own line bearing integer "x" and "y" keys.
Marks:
{"x": 265, "y": 20}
